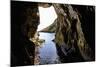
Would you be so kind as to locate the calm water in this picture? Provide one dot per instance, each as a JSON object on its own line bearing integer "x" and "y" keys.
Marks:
{"x": 48, "y": 53}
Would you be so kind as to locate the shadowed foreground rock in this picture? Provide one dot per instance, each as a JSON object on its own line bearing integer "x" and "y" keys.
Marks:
{"x": 24, "y": 23}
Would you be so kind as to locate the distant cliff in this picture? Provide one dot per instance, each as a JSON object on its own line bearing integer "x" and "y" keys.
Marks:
{"x": 51, "y": 28}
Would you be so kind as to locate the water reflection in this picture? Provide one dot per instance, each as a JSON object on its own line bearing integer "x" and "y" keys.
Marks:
{"x": 47, "y": 53}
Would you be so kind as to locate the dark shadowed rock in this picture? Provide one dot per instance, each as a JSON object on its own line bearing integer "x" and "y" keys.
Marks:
{"x": 24, "y": 22}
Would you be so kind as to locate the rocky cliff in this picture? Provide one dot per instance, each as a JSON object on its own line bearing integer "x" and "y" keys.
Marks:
{"x": 74, "y": 28}
{"x": 51, "y": 28}
{"x": 75, "y": 34}
{"x": 75, "y": 31}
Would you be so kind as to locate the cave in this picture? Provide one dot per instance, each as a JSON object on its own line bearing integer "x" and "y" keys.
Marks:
{"x": 72, "y": 28}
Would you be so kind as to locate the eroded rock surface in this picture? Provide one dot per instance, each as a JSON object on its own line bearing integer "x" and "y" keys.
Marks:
{"x": 70, "y": 32}
{"x": 74, "y": 28}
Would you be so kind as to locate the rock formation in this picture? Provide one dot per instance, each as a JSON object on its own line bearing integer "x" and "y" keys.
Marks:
{"x": 75, "y": 31}
{"x": 70, "y": 32}
{"x": 51, "y": 28}
{"x": 24, "y": 23}
{"x": 74, "y": 28}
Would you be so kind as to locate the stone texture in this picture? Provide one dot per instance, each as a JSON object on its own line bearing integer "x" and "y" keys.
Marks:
{"x": 75, "y": 40}
{"x": 69, "y": 33}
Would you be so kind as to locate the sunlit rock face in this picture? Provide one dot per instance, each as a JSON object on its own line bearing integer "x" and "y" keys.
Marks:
{"x": 73, "y": 37}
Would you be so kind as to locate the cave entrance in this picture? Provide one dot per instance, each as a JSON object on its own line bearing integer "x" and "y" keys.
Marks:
{"x": 47, "y": 53}
{"x": 47, "y": 17}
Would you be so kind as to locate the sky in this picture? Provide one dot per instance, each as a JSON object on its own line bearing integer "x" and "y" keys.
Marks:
{"x": 47, "y": 17}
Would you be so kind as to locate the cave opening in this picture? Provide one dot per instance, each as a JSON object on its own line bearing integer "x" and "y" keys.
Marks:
{"x": 25, "y": 17}
{"x": 47, "y": 49}
{"x": 47, "y": 17}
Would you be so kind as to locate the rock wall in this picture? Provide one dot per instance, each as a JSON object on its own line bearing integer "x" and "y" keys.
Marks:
{"x": 73, "y": 36}
{"x": 24, "y": 23}
{"x": 75, "y": 32}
